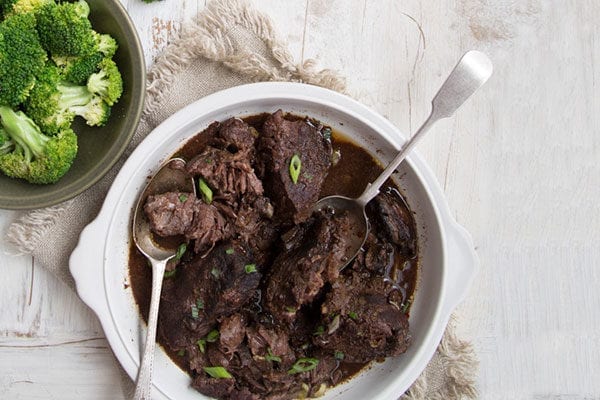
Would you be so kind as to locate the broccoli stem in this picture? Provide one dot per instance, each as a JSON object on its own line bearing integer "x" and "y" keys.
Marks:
{"x": 24, "y": 132}
{"x": 73, "y": 95}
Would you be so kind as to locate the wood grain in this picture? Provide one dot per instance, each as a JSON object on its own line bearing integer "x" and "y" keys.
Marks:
{"x": 519, "y": 166}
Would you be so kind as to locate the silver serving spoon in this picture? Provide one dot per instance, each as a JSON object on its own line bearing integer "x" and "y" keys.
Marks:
{"x": 471, "y": 72}
{"x": 170, "y": 177}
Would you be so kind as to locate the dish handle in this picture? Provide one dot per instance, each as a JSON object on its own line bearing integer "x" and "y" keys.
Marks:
{"x": 85, "y": 265}
{"x": 463, "y": 261}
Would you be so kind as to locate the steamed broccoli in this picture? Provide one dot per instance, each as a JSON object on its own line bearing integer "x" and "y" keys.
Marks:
{"x": 105, "y": 44}
{"x": 77, "y": 69}
{"x": 35, "y": 157}
{"x": 107, "y": 83}
{"x": 53, "y": 67}
{"x": 44, "y": 104}
{"x": 21, "y": 58}
{"x": 24, "y": 6}
{"x": 54, "y": 103}
{"x": 65, "y": 30}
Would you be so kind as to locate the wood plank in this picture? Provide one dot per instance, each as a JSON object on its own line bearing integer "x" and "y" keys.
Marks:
{"x": 84, "y": 369}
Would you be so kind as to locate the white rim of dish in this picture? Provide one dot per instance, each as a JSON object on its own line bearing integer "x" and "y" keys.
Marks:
{"x": 452, "y": 291}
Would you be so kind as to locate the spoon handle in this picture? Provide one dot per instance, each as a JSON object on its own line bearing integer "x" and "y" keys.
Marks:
{"x": 143, "y": 387}
{"x": 471, "y": 72}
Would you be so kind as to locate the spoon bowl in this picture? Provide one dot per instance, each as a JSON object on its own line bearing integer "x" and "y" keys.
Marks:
{"x": 471, "y": 72}
{"x": 169, "y": 178}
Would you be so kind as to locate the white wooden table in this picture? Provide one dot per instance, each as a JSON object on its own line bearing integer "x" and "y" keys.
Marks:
{"x": 519, "y": 165}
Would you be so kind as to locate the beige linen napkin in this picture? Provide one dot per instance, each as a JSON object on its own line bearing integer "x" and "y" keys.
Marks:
{"x": 228, "y": 44}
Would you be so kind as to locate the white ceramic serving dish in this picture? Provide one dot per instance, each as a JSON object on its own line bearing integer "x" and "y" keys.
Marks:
{"x": 99, "y": 263}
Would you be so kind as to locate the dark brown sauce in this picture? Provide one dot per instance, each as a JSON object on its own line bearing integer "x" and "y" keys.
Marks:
{"x": 354, "y": 169}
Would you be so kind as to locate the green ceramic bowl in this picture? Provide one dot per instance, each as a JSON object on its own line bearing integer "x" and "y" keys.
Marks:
{"x": 99, "y": 147}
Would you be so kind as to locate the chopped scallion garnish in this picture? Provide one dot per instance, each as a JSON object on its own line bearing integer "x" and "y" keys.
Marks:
{"x": 338, "y": 355}
{"x": 215, "y": 272}
{"x": 205, "y": 191}
{"x": 353, "y": 315}
{"x": 271, "y": 357}
{"x": 195, "y": 311}
{"x": 212, "y": 336}
{"x": 295, "y": 166}
{"x": 319, "y": 331}
{"x": 201, "y": 345}
{"x": 250, "y": 268}
{"x": 183, "y": 198}
{"x": 217, "y": 372}
{"x": 303, "y": 365}
{"x": 181, "y": 353}
{"x": 229, "y": 251}
{"x": 170, "y": 273}
{"x": 180, "y": 251}
{"x": 200, "y": 304}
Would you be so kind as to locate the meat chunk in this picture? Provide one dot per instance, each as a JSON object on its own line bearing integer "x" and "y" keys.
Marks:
{"x": 361, "y": 322}
{"x": 394, "y": 220}
{"x": 234, "y": 135}
{"x": 204, "y": 291}
{"x": 232, "y": 332}
{"x": 313, "y": 255}
{"x": 177, "y": 213}
{"x": 229, "y": 175}
{"x": 281, "y": 139}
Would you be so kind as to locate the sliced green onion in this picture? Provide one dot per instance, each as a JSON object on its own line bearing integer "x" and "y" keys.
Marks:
{"x": 201, "y": 345}
{"x": 271, "y": 357}
{"x": 320, "y": 330}
{"x": 295, "y": 166}
{"x": 217, "y": 372}
{"x": 353, "y": 315}
{"x": 195, "y": 311}
{"x": 183, "y": 198}
{"x": 180, "y": 251}
{"x": 215, "y": 272}
{"x": 303, "y": 365}
{"x": 250, "y": 268}
{"x": 212, "y": 336}
{"x": 291, "y": 310}
{"x": 170, "y": 273}
{"x": 181, "y": 353}
{"x": 200, "y": 304}
{"x": 326, "y": 132}
{"x": 207, "y": 194}
{"x": 338, "y": 355}
{"x": 229, "y": 251}
{"x": 405, "y": 306}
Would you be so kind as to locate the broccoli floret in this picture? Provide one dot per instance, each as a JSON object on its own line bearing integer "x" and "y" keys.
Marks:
{"x": 77, "y": 69}
{"x": 96, "y": 112}
{"x": 105, "y": 44}
{"x": 80, "y": 101}
{"x": 44, "y": 104}
{"x": 54, "y": 103}
{"x": 21, "y": 58}
{"x": 107, "y": 83}
{"x": 36, "y": 157}
{"x": 65, "y": 30}
{"x": 25, "y": 6}
{"x": 5, "y": 7}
